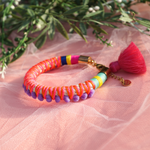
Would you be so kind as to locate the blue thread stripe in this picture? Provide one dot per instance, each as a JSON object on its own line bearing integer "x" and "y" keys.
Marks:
{"x": 63, "y": 60}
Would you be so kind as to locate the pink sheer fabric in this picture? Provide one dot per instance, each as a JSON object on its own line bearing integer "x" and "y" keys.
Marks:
{"x": 116, "y": 117}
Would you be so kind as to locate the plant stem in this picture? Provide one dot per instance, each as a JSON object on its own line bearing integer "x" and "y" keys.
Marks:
{"x": 18, "y": 46}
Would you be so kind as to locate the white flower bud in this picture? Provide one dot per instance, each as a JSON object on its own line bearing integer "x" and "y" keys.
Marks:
{"x": 122, "y": 4}
{"x": 12, "y": 7}
{"x": 96, "y": 8}
{"x": 90, "y": 9}
{"x": 128, "y": 12}
{"x": 4, "y": 18}
{"x": 38, "y": 26}
{"x": 16, "y": 3}
{"x": 119, "y": 1}
{"x": 9, "y": 16}
{"x": 93, "y": 11}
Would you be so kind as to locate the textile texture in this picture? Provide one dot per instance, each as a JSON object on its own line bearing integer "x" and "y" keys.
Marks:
{"x": 116, "y": 117}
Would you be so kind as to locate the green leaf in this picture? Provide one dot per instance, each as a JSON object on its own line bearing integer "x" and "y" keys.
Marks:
{"x": 19, "y": 54}
{"x": 96, "y": 22}
{"x": 40, "y": 42}
{"x": 42, "y": 22}
{"x": 112, "y": 6}
{"x": 125, "y": 19}
{"x": 77, "y": 30}
{"x": 1, "y": 7}
{"x": 60, "y": 28}
{"x": 115, "y": 18}
{"x": 14, "y": 27}
{"x": 21, "y": 11}
{"x": 51, "y": 31}
{"x": 43, "y": 18}
{"x": 124, "y": 16}
{"x": 144, "y": 23}
{"x": 24, "y": 25}
{"x": 85, "y": 2}
{"x": 43, "y": 32}
{"x": 31, "y": 12}
{"x": 107, "y": 15}
{"x": 8, "y": 42}
{"x": 16, "y": 17}
{"x": 34, "y": 6}
{"x": 83, "y": 28}
{"x": 92, "y": 14}
{"x": 24, "y": 6}
{"x": 71, "y": 11}
{"x": 109, "y": 25}
{"x": 97, "y": 28}
{"x": 101, "y": 7}
{"x": 82, "y": 13}
{"x": 140, "y": 18}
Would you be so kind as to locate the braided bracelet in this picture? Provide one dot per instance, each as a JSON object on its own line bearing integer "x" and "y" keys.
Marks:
{"x": 130, "y": 60}
{"x": 74, "y": 92}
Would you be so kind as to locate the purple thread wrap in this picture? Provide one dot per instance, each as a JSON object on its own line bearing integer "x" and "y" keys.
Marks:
{"x": 57, "y": 99}
{"x": 48, "y": 98}
{"x": 28, "y": 92}
{"x": 76, "y": 98}
{"x": 66, "y": 98}
{"x": 91, "y": 93}
{"x": 40, "y": 97}
{"x": 33, "y": 94}
{"x": 25, "y": 89}
{"x": 84, "y": 96}
{"x": 74, "y": 59}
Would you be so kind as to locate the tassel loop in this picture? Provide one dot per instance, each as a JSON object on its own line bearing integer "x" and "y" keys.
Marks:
{"x": 114, "y": 66}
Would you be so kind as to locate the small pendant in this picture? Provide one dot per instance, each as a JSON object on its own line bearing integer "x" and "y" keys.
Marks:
{"x": 126, "y": 82}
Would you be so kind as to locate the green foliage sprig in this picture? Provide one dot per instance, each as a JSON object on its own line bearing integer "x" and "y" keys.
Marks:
{"x": 46, "y": 17}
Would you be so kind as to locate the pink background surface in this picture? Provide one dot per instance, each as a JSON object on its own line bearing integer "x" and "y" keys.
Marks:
{"x": 116, "y": 117}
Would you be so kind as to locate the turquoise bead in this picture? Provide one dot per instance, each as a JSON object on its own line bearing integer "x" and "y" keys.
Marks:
{"x": 103, "y": 76}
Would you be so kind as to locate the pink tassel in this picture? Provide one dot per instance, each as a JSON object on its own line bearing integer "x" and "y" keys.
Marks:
{"x": 130, "y": 60}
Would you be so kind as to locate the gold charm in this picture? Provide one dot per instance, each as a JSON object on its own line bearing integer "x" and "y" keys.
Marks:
{"x": 126, "y": 82}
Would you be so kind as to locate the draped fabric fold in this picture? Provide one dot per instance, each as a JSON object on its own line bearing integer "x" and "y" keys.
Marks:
{"x": 116, "y": 117}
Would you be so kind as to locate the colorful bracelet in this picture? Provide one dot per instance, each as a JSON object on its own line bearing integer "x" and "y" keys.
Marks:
{"x": 81, "y": 91}
{"x": 130, "y": 60}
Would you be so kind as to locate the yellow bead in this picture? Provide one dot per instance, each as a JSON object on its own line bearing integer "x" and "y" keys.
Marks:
{"x": 99, "y": 80}
{"x": 68, "y": 59}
